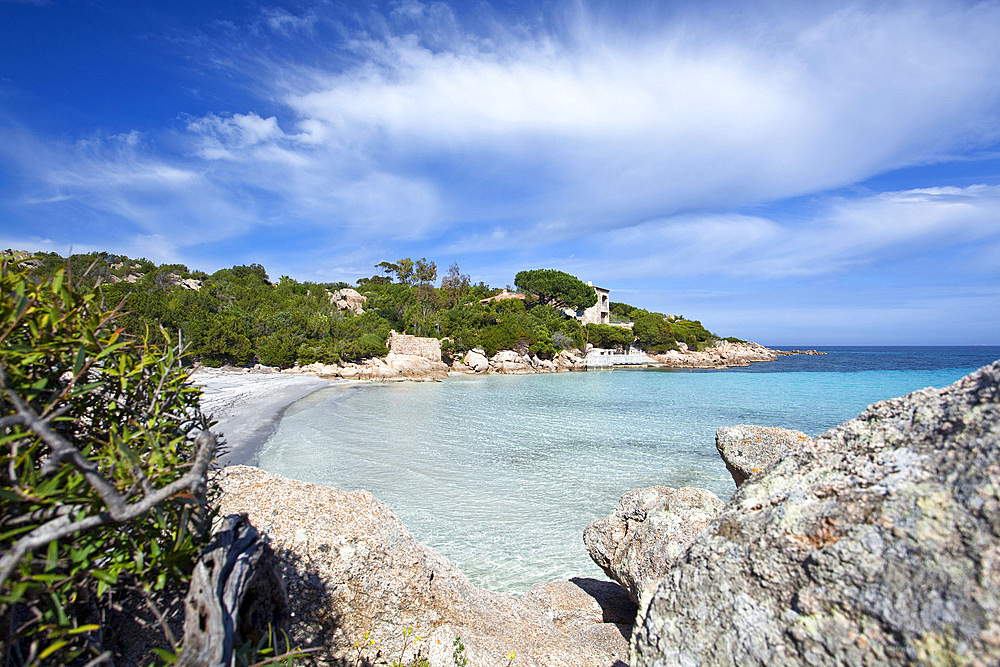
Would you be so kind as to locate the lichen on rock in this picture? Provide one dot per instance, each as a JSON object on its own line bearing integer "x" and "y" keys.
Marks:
{"x": 747, "y": 450}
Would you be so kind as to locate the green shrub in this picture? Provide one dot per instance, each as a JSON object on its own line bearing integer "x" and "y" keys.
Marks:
{"x": 99, "y": 431}
{"x": 653, "y": 333}
{"x": 691, "y": 332}
{"x": 608, "y": 337}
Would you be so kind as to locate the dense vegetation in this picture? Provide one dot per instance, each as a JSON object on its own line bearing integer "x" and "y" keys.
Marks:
{"x": 239, "y": 316}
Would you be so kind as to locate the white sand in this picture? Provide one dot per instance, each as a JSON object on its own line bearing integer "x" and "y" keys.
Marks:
{"x": 247, "y": 405}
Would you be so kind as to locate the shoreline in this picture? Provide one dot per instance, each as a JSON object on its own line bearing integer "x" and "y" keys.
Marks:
{"x": 247, "y": 405}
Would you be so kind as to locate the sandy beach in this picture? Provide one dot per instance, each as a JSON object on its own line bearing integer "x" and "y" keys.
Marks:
{"x": 247, "y": 405}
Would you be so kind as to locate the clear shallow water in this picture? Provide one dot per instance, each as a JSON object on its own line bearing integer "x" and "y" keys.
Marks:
{"x": 501, "y": 474}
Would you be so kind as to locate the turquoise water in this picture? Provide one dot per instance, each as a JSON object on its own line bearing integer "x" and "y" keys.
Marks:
{"x": 501, "y": 474}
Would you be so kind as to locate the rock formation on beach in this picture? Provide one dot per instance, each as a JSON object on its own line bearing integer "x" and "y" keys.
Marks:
{"x": 354, "y": 573}
{"x": 650, "y": 528}
{"x": 722, "y": 354}
{"x": 747, "y": 450}
{"x": 511, "y": 362}
{"x": 349, "y": 299}
{"x": 394, "y": 368}
{"x": 878, "y": 543}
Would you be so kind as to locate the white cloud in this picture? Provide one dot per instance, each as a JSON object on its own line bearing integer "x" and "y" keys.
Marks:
{"x": 282, "y": 21}
{"x": 839, "y": 235}
{"x": 119, "y": 183}
{"x": 675, "y": 119}
{"x": 516, "y": 137}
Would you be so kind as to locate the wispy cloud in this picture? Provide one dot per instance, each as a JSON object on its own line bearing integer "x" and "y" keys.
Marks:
{"x": 836, "y": 236}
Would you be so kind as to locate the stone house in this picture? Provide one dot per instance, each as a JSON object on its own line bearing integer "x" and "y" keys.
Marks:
{"x": 600, "y": 312}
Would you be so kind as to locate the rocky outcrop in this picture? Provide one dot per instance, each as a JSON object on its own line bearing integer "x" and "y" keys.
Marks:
{"x": 348, "y": 299}
{"x": 721, "y": 355}
{"x": 512, "y": 362}
{"x": 879, "y": 543}
{"x": 651, "y": 527}
{"x": 476, "y": 361}
{"x": 393, "y": 368}
{"x": 355, "y": 574}
{"x": 747, "y": 450}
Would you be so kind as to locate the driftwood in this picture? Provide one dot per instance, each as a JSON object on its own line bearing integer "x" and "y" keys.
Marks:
{"x": 236, "y": 596}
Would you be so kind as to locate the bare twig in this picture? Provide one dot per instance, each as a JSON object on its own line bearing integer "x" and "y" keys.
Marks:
{"x": 160, "y": 618}
{"x": 102, "y": 659}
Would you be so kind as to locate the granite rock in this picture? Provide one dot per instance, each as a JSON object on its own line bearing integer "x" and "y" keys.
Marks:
{"x": 353, "y": 570}
{"x": 648, "y": 530}
{"x": 476, "y": 361}
{"x": 747, "y": 450}
{"x": 510, "y": 362}
{"x": 879, "y": 543}
{"x": 348, "y": 299}
{"x": 596, "y": 613}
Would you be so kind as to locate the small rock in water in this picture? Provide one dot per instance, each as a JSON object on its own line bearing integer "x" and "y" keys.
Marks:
{"x": 747, "y": 450}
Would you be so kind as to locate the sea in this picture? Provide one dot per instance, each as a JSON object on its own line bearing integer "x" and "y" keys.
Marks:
{"x": 502, "y": 473}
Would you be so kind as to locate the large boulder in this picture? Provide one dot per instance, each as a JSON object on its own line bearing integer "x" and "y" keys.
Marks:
{"x": 362, "y": 589}
{"x": 510, "y": 362}
{"x": 592, "y": 611}
{"x": 348, "y": 299}
{"x": 648, "y": 530}
{"x": 879, "y": 543}
{"x": 747, "y": 450}
{"x": 567, "y": 361}
{"x": 477, "y": 361}
{"x": 414, "y": 367}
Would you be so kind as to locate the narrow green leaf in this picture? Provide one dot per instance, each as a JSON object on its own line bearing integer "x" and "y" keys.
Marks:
{"x": 105, "y": 576}
{"x": 84, "y": 628}
{"x": 52, "y": 559}
{"x": 52, "y": 648}
{"x": 16, "y": 531}
{"x": 83, "y": 389}
{"x": 81, "y": 356}
{"x": 60, "y": 612}
{"x": 166, "y": 656}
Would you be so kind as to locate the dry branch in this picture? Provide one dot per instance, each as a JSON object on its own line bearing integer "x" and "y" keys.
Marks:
{"x": 118, "y": 508}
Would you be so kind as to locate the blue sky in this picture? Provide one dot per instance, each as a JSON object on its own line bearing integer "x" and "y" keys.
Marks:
{"x": 825, "y": 174}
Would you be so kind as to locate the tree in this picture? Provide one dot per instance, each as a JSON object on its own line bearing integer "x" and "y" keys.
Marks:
{"x": 455, "y": 285}
{"x": 653, "y": 333}
{"x": 608, "y": 337}
{"x": 557, "y": 288}
{"x": 425, "y": 272}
